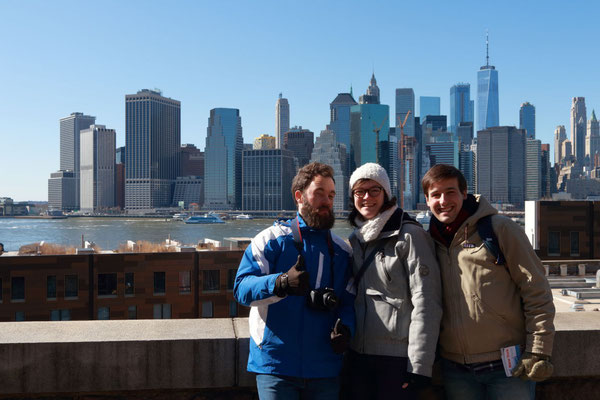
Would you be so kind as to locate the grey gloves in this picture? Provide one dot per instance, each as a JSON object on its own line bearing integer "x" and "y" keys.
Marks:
{"x": 535, "y": 367}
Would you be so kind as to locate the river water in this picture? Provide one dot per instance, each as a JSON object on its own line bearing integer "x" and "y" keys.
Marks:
{"x": 109, "y": 233}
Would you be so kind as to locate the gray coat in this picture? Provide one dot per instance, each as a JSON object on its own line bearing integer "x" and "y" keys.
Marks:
{"x": 399, "y": 298}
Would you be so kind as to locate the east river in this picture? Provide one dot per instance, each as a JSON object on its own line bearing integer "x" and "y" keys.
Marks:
{"x": 109, "y": 233}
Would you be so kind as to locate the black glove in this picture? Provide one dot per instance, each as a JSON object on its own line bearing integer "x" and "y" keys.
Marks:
{"x": 416, "y": 381}
{"x": 340, "y": 337}
{"x": 294, "y": 282}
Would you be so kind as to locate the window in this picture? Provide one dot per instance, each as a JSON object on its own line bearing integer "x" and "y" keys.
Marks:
{"x": 233, "y": 311}
{"x": 574, "y": 243}
{"x": 107, "y": 285}
{"x": 207, "y": 309}
{"x": 211, "y": 280}
{"x": 60, "y": 315}
{"x": 231, "y": 278}
{"x": 162, "y": 311}
{"x": 71, "y": 287}
{"x": 554, "y": 243}
{"x": 129, "y": 284}
{"x": 51, "y": 287}
{"x": 184, "y": 282}
{"x": 17, "y": 289}
{"x": 132, "y": 312}
{"x": 159, "y": 283}
{"x": 103, "y": 312}
{"x": 20, "y": 316}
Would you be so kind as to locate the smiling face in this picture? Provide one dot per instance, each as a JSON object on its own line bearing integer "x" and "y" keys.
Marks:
{"x": 445, "y": 199}
{"x": 315, "y": 203}
{"x": 368, "y": 206}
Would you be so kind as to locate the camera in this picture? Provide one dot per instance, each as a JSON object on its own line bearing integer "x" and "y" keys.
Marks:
{"x": 323, "y": 299}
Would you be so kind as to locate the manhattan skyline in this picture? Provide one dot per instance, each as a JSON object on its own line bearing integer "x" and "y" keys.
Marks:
{"x": 59, "y": 58}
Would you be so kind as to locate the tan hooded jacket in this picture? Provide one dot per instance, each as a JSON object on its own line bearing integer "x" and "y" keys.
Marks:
{"x": 489, "y": 306}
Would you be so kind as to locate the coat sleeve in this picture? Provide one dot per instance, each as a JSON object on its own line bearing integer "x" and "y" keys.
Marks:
{"x": 527, "y": 272}
{"x": 426, "y": 296}
{"x": 254, "y": 281}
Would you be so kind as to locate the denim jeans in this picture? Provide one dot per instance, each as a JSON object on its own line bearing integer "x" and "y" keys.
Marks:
{"x": 279, "y": 387}
{"x": 462, "y": 384}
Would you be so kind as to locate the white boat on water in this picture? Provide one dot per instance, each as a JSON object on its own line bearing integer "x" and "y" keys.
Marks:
{"x": 180, "y": 216}
{"x": 244, "y": 216}
{"x": 424, "y": 217}
{"x": 210, "y": 218}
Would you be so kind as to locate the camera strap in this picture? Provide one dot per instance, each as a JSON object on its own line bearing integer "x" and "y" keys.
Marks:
{"x": 295, "y": 225}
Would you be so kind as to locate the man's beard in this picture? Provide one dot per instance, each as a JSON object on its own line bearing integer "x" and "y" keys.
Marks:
{"x": 312, "y": 217}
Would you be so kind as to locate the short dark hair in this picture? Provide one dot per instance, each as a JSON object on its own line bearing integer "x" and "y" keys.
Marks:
{"x": 306, "y": 175}
{"x": 387, "y": 203}
{"x": 439, "y": 172}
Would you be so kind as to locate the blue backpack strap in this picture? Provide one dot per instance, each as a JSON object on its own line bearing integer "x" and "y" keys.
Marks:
{"x": 490, "y": 240}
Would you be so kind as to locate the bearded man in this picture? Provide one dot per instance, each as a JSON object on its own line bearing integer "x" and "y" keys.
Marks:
{"x": 296, "y": 283}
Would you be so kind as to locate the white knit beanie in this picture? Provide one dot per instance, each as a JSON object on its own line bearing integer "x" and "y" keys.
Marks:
{"x": 374, "y": 172}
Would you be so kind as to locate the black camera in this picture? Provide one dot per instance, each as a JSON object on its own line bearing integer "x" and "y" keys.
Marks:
{"x": 323, "y": 299}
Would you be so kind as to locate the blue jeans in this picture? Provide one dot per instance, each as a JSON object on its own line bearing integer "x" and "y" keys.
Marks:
{"x": 460, "y": 383}
{"x": 279, "y": 387}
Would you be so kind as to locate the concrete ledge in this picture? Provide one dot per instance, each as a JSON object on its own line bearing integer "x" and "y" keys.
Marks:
{"x": 577, "y": 345}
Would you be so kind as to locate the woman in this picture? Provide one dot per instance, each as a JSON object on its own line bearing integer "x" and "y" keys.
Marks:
{"x": 398, "y": 294}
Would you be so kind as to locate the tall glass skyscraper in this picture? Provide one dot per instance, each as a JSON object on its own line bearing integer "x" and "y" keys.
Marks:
{"x": 223, "y": 159}
{"x": 369, "y": 135}
{"x": 340, "y": 122}
{"x": 461, "y": 105}
{"x": 428, "y": 105}
{"x": 282, "y": 120}
{"x": 488, "y": 113}
{"x": 527, "y": 119}
{"x": 405, "y": 101}
{"x": 152, "y": 149}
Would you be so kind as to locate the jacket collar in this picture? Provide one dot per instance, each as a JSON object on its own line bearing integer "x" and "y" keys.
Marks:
{"x": 387, "y": 224}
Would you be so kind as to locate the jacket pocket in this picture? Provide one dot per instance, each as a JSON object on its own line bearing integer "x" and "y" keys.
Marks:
{"x": 484, "y": 309}
{"x": 386, "y": 316}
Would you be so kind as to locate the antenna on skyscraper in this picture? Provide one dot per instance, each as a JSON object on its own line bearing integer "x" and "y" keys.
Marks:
{"x": 487, "y": 48}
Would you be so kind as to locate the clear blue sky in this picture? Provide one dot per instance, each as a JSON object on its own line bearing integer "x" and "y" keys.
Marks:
{"x": 58, "y": 57}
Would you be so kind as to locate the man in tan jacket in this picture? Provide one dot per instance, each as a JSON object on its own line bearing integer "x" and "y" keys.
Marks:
{"x": 487, "y": 306}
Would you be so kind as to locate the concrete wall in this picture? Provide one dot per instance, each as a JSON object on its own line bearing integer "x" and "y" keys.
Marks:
{"x": 205, "y": 359}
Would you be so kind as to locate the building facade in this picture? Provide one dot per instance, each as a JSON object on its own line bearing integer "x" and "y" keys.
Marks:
{"x": 405, "y": 102}
{"x": 188, "y": 192}
{"x": 223, "y": 160}
{"x": 578, "y": 128}
{"x": 461, "y": 105}
{"x": 300, "y": 142}
{"x": 428, "y": 105}
{"x": 339, "y": 122}
{"x": 282, "y": 120}
{"x": 328, "y": 150}
{"x": 369, "y": 135}
{"x": 592, "y": 142}
{"x": 527, "y": 119}
{"x": 488, "y": 110}
{"x": 264, "y": 142}
{"x": 152, "y": 149}
{"x": 192, "y": 161}
{"x": 533, "y": 169}
{"x": 97, "y": 171}
{"x": 560, "y": 135}
{"x": 61, "y": 191}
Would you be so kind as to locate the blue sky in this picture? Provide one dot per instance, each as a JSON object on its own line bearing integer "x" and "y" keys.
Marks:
{"x": 64, "y": 56}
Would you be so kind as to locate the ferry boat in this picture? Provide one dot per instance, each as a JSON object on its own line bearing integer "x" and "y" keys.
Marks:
{"x": 210, "y": 218}
{"x": 180, "y": 216}
{"x": 424, "y": 218}
{"x": 244, "y": 216}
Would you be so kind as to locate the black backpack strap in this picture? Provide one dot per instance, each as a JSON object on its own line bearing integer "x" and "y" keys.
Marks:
{"x": 295, "y": 225}
{"x": 490, "y": 240}
{"x": 366, "y": 263}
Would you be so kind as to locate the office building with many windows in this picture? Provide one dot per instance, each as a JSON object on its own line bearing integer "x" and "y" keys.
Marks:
{"x": 429, "y": 105}
{"x": 488, "y": 111}
{"x": 328, "y": 151}
{"x": 405, "y": 102}
{"x": 97, "y": 171}
{"x": 369, "y": 135}
{"x": 152, "y": 149}
{"x": 61, "y": 191}
{"x": 300, "y": 142}
{"x": 267, "y": 180}
{"x": 461, "y": 105}
{"x": 578, "y": 128}
{"x": 527, "y": 119}
{"x": 339, "y": 122}
{"x": 282, "y": 120}
{"x": 533, "y": 169}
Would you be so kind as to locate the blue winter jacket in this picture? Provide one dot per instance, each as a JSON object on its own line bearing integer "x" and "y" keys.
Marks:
{"x": 286, "y": 336}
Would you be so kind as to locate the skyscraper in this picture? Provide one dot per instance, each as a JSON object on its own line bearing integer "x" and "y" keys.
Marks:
{"x": 267, "y": 179}
{"x": 546, "y": 190}
{"x": 97, "y": 170}
{"x": 405, "y": 101}
{"x": 223, "y": 159}
{"x": 61, "y": 191}
{"x": 592, "y": 140}
{"x": 282, "y": 120}
{"x": 501, "y": 164}
{"x": 533, "y": 169}
{"x": 372, "y": 95}
{"x": 369, "y": 130}
{"x": 264, "y": 142}
{"x": 328, "y": 151}
{"x": 578, "y": 127}
{"x": 560, "y": 135}
{"x": 488, "y": 113}
{"x": 192, "y": 161}
{"x": 428, "y": 105}
{"x": 152, "y": 149}
{"x": 461, "y": 105}
{"x": 300, "y": 142}
{"x": 527, "y": 119}
{"x": 70, "y": 130}
{"x": 340, "y": 121}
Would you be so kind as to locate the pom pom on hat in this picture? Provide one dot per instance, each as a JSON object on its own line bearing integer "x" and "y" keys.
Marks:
{"x": 374, "y": 172}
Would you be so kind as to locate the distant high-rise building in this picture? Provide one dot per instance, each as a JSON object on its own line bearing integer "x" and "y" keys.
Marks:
{"x": 578, "y": 128}
{"x": 461, "y": 105}
{"x": 188, "y": 191}
{"x": 560, "y": 135}
{"x": 266, "y": 180}
{"x": 300, "y": 142}
{"x": 223, "y": 159}
{"x": 340, "y": 121}
{"x": 428, "y": 105}
{"x": 97, "y": 168}
{"x": 282, "y": 120}
{"x": 61, "y": 191}
{"x": 329, "y": 151}
{"x": 546, "y": 189}
{"x": 372, "y": 96}
{"x": 192, "y": 161}
{"x": 567, "y": 150}
{"x": 488, "y": 113}
{"x": 265, "y": 142}
{"x": 466, "y": 161}
{"x": 152, "y": 149}
{"x": 70, "y": 130}
{"x": 501, "y": 164}
{"x": 120, "y": 177}
{"x": 592, "y": 140}
{"x": 464, "y": 131}
{"x": 527, "y": 119}
{"x": 405, "y": 101}
{"x": 435, "y": 122}
{"x": 369, "y": 135}
{"x": 533, "y": 169}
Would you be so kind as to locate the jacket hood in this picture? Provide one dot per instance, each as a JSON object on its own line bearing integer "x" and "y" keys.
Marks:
{"x": 484, "y": 209}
